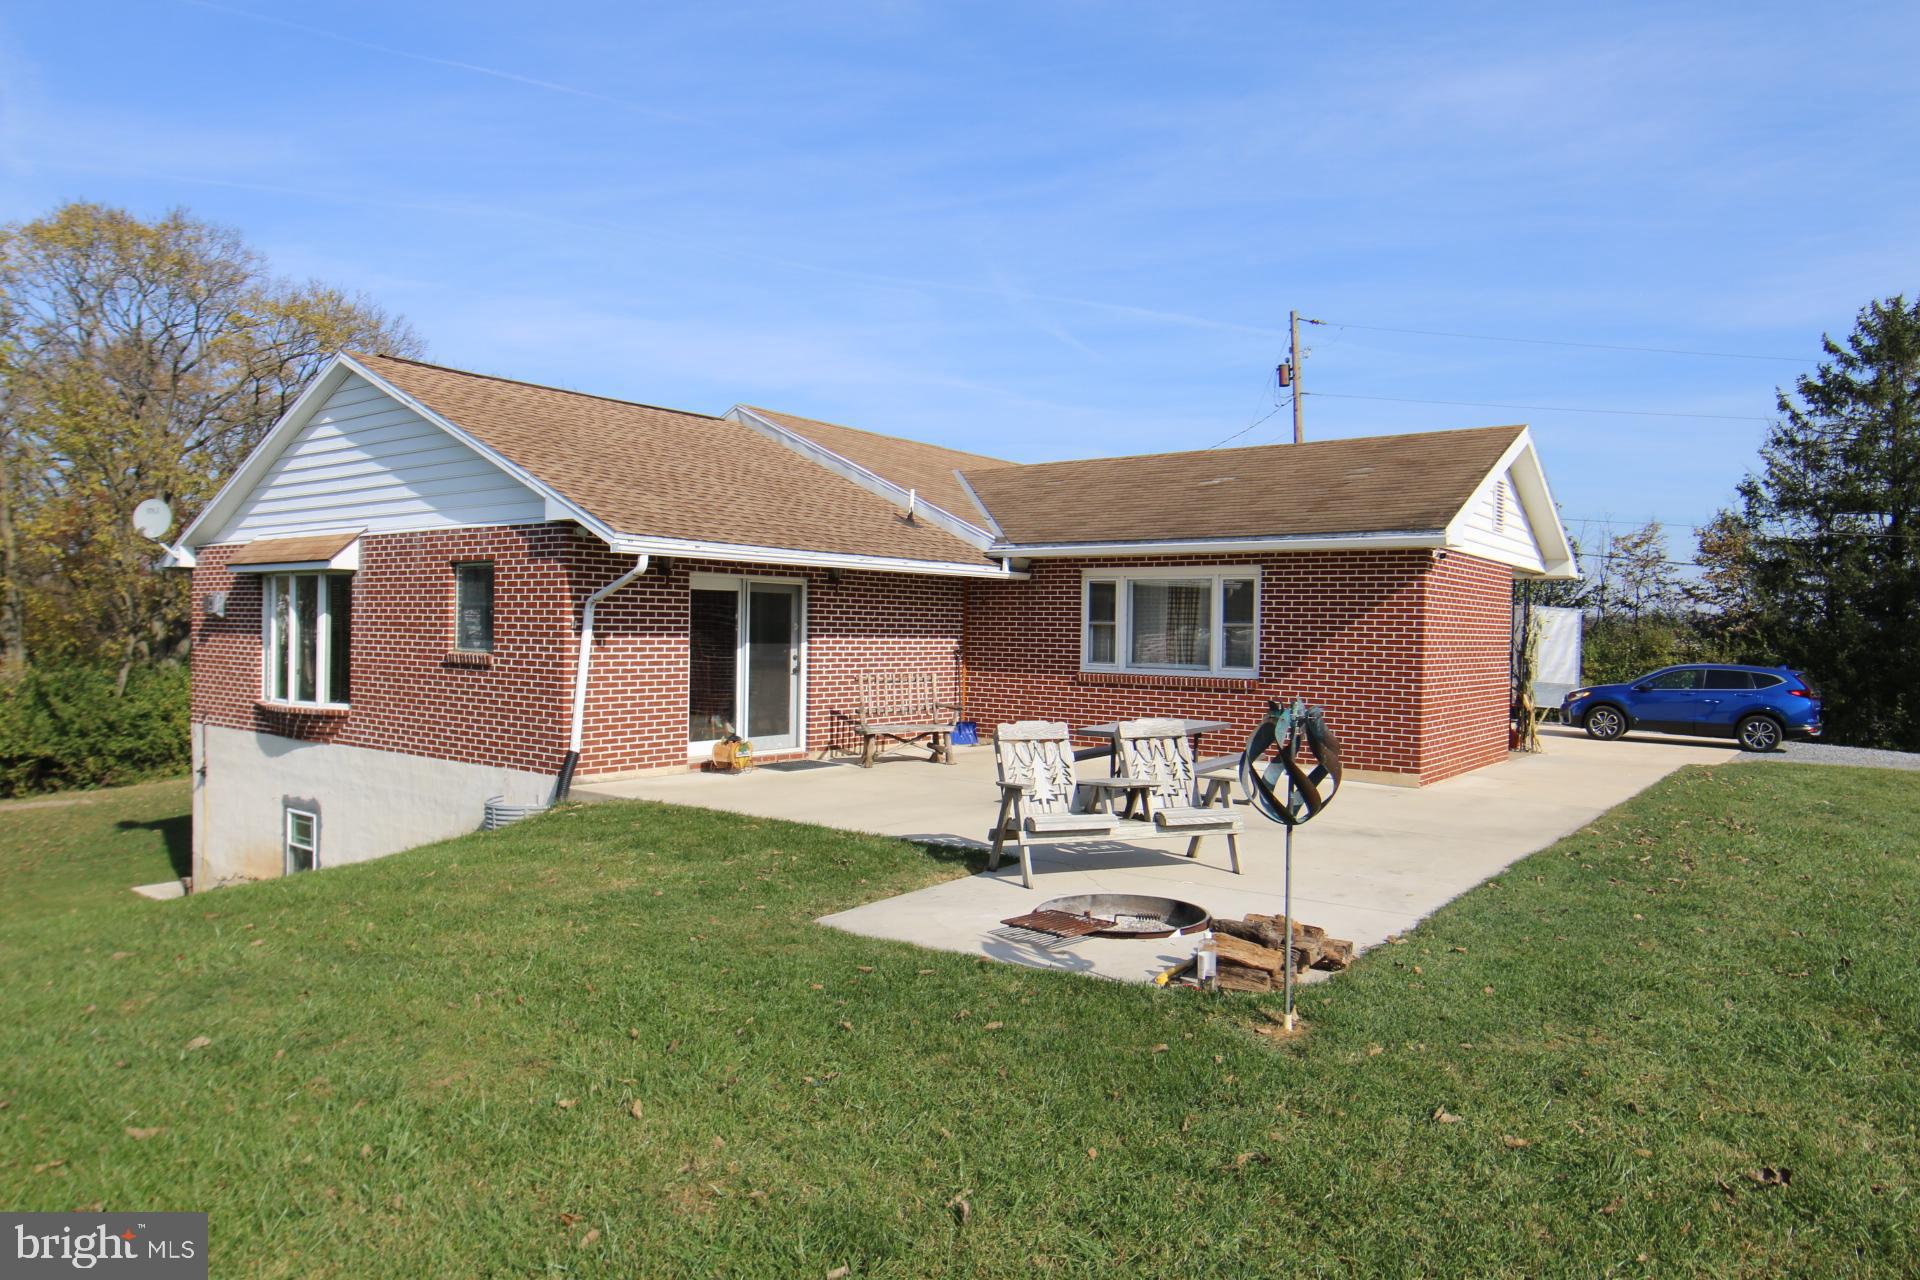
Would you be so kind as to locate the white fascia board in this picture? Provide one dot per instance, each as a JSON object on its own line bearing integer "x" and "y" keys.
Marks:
{"x": 1403, "y": 539}
{"x": 1536, "y": 499}
{"x": 696, "y": 550}
{"x": 873, "y": 482}
{"x": 254, "y": 468}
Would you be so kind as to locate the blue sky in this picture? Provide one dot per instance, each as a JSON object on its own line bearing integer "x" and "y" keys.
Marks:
{"x": 1043, "y": 230}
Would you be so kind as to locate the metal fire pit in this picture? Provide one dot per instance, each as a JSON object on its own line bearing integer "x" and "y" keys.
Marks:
{"x": 1134, "y": 915}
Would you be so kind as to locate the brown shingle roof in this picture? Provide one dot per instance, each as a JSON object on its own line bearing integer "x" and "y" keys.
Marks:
{"x": 302, "y": 550}
{"x": 927, "y": 468}
{"x": 1372, "y": 484}
{"x": 652, "y": 472}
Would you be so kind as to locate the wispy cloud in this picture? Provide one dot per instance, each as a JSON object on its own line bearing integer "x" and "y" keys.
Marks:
{"x": 455, "y": 64}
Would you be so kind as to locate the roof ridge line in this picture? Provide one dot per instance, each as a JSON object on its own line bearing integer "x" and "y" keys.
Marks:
{"x": 882, "y": 435}
{"x": 537, "y": 386}
{"x": 1281, "y": 444}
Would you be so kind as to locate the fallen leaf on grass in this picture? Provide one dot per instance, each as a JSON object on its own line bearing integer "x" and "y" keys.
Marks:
{"x": 1486, "y": 991}
{"x": 1246, "y": 1158}
{"x": 839, "y": 1273}
{"x": 593, "y": 1233}
{"x": 961, "y": 1209}
{"x": 636, "y": 1110}
{"x": 1611, "y": 1207}
{"x": 141, "y": 1135}
{"x": 1643, "y": 1152}
{"x": 123, "y": 955}
{"x": 49, "y": 1166}
{"x": 1513, "y": 1143}
{"x": 571, "y": 1219}
{"x": 1445, "y": 1116}
{"x": 1093, "y": 1153}
{"x": 923, "y": 972}
{"x": 633, "y": 1033}
{"x": 1374, "y": 1050}
{"x": 198, "y": 1042}
{"x": 567, "y": 1104}
{"x": 864, "y": 968}
{"x": 1159, "y": 1048}
{"x": 845, "y": 1025}
{"x": 1767, "y": 1177}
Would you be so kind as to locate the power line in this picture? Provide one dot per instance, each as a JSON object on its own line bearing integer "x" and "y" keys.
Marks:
{"x": 1556, "y": 342}
{"x": 1542, "y": 408}
{"x": 1251, "y": 425}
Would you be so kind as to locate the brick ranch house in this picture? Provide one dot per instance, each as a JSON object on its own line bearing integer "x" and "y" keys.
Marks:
{"x": 393, "y": 596}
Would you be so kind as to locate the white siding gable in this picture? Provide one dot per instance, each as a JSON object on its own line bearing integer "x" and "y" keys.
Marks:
{"x": 366, "y": 460}
{"x": 1496, "y": 526}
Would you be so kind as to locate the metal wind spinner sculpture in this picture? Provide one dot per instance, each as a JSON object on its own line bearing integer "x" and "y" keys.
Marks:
{"x": 1285, "y": 731}
{"x": 1286, "y": 791}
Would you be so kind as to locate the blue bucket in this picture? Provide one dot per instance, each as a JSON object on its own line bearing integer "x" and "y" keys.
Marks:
{"x": 966, "y": 733}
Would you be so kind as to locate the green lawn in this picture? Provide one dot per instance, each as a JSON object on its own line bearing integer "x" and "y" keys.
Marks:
{"x": 610, "y": 1041}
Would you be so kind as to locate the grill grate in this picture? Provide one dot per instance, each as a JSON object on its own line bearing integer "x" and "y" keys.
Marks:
{"x": 1064, "y": 923}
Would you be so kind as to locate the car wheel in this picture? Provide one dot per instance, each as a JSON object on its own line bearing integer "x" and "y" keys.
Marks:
{"x": 1759, "y": 733}
{"x": 1606, "y": 723}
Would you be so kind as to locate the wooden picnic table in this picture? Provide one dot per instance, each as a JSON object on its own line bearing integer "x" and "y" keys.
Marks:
{"x": 1193, "y": 729}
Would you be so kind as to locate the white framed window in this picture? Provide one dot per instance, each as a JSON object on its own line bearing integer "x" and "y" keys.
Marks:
{"x": 1200, "y": 621}
{"x": 303, "y": 840}
{"x": 308, "y": 622}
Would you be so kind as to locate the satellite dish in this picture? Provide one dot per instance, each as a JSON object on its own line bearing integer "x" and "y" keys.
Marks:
{"x": 152, "y": 518}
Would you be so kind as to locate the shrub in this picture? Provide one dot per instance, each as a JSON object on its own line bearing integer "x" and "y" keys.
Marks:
{"x": 64, "y": 727}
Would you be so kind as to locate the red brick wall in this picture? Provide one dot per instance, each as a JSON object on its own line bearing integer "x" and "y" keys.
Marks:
{"x": 1408, "y": 656}
{"x": 637, "y": 701}
{"x": 408, "y": 695}
{"x": 1345, "y": 630}
{"x": 1466, "y": 682}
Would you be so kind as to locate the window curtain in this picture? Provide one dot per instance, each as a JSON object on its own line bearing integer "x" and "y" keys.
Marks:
{"x": 1172, "y": 626}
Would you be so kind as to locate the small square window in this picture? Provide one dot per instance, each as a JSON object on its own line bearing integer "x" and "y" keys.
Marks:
{"x": 473, "y": 608}
{"x": 303, "y": 840}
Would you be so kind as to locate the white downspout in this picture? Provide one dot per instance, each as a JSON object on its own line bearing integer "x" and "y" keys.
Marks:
{"x": 580, "y": 669}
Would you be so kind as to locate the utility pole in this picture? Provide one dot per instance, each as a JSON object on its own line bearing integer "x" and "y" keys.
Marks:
{"x": 1293, "y": 368}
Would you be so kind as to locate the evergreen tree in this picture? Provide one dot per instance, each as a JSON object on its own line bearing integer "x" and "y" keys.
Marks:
{"x": 1835, "y": 518}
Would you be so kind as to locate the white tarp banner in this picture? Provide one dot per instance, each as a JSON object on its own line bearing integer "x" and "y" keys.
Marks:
{"x": 1558, "y": 655}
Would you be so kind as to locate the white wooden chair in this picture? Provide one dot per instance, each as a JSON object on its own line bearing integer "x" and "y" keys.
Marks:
{"x": 1179, "y": 800}
{"x": 1043, "y": 800}
{"x": 1042, "y": 797}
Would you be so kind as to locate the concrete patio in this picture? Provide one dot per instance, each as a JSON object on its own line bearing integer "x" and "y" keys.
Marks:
{"x": 1380, "y": 859}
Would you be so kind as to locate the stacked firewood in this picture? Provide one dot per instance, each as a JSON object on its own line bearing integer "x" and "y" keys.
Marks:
{"x": 1251, "y": 953}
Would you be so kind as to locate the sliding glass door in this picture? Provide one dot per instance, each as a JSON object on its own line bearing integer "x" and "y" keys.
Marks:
{"x": 743, "y": 662}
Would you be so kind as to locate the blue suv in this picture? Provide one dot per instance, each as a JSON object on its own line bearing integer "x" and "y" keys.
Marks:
{"x": 1758, "y": 707}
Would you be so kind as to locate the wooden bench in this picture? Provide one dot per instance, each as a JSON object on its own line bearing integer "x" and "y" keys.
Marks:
{"x": 1043, "y": 799}
{"x": 903, "y": 708}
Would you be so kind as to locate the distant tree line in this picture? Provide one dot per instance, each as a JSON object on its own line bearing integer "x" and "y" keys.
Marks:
{"x": 138, "y": 359}
{"x": 1814, "y": 565}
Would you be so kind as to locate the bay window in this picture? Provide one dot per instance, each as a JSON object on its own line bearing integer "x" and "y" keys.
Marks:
{"x": 1198, "y": 621}
{"x": 308, "y": 622}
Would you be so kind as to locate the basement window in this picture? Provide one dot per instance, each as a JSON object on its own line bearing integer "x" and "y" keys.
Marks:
{"x": 308, "y": 619}
{"x": 303, "y": 840}
{"x": 1171, "y": 621}
{"x": 473, "y": 607}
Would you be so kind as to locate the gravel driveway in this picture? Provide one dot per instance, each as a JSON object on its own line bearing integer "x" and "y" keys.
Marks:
{"x": 1829, "y": 753}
